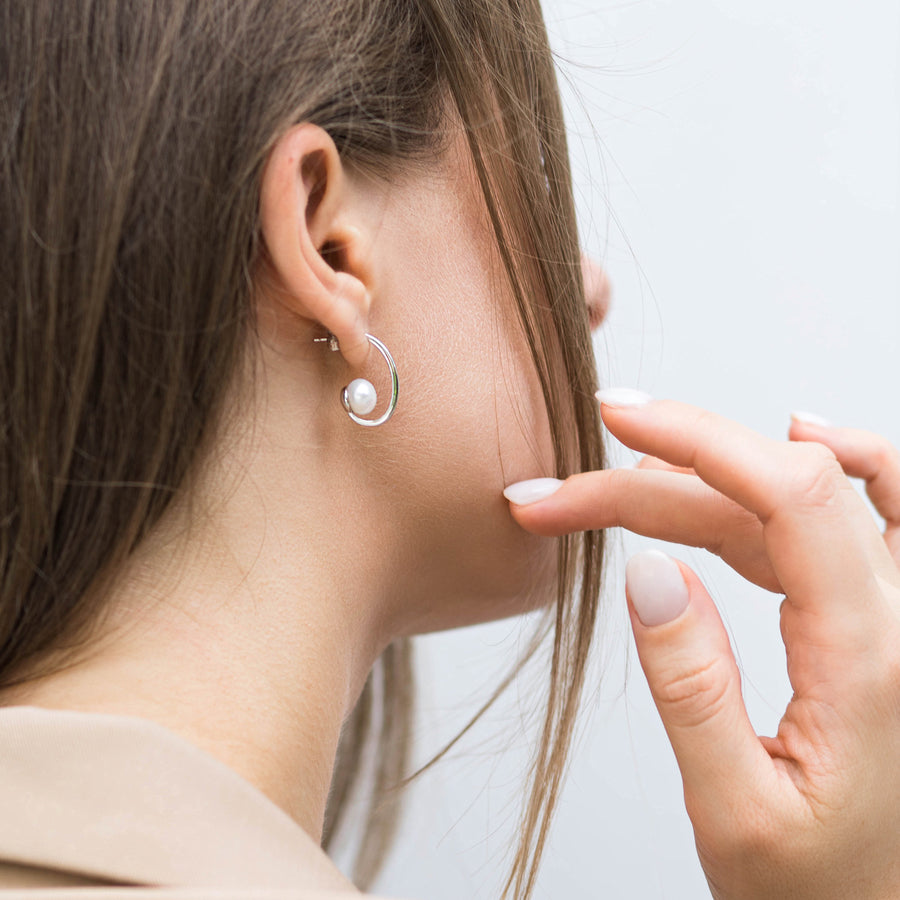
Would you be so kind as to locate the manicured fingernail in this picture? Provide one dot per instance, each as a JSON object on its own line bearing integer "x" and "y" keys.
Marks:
{"x": 620, "y": 397}
{"x": 656, "y": 587}
{"x": 523, "y": 492}
{"x": 809, "y": 418}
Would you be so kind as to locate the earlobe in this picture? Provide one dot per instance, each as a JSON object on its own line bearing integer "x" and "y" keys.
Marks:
{"x": 317, "y": 267}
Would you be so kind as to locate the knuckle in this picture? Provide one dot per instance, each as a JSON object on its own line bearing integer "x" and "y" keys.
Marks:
{"x": 692, "y": 698}
{"x": 698, "y": 422}
{"x": 754, "y": 838}
{"x": 882, "y": 451}
{"x": 743, "y": 834}
{"x": 705, "y": 422}
{"x": 885, "y": 456}
{"x": 731, "y": 526}
{"x": 760, "y": 837}
{"x": 624, "y": 479}
{"x": 752, "y": 829}
{"x": 622, "y": 482}
{"x": 816, "y": 477}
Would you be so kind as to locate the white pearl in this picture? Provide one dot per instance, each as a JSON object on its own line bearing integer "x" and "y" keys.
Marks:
{"x": 361, "y": 396}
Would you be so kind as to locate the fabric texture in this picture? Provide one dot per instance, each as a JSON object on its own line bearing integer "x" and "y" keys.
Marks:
{"x": 106, "y": 806}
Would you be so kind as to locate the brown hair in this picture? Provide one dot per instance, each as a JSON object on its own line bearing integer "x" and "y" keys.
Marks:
{"x": 132, "y": 141}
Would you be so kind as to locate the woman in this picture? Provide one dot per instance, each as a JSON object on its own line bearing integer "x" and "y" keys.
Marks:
{"x": 226, "y": 226}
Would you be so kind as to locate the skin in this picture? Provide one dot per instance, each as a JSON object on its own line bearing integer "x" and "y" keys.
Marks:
{"x": 813, "y": 811}
{"x": 249, "y": 620}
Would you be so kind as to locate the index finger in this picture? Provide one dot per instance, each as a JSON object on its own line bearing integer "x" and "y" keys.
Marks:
{"x": 824, "y": 546}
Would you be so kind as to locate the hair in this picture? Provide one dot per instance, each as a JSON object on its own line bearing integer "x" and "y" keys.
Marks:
{"x": 133, "y": 136}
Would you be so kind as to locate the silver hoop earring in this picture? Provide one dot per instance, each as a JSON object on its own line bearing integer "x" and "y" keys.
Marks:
{"x": 359, "y": 397}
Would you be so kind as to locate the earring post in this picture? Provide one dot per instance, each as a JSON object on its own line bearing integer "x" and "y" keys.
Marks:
{"x": 330, "y": 339}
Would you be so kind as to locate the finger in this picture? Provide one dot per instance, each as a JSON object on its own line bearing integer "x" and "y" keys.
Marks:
{"x": 824, "y": 546}
{"x": 668, "y": 506}
{"x": 862, "y": 454}
{"x": 695, "y": 683}
{"x": 653, "y": 462}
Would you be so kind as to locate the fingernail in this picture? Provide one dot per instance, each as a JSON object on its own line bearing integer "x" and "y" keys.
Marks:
{"x": 809, "y": 418}
{"x": 656, "y": 587}
{"x": 620, "y": 397}
{"x": 524, "y": 492}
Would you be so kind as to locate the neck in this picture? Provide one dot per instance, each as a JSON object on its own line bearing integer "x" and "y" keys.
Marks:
{"x": 246, "y": 633}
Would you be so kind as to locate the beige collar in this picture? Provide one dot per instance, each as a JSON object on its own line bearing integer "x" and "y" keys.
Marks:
{"x": 127, "y": 800}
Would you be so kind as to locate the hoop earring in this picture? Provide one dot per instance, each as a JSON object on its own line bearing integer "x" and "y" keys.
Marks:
{"x": 359, "y": 397}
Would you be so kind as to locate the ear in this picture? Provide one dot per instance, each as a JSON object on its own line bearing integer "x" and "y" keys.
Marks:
{"x": 596, "y": 290}
{"x": 314, "y": 251}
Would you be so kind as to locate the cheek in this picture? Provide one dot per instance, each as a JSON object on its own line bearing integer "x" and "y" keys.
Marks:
{"x": 475, "y": 393}
{"x": 475, "y": 390}
{"x": 523, "y": 428}
{"x": 471, "y": 419}
{"x": 472, "y": 431}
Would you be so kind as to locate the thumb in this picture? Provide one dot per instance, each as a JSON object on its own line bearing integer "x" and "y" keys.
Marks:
{"x": 695, "y": 683}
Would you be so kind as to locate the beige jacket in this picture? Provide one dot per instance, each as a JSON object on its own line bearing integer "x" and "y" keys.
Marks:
{"x": 102, "y": 807}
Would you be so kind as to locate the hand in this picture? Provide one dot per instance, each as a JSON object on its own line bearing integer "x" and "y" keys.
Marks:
{"x": 813, "y": 812}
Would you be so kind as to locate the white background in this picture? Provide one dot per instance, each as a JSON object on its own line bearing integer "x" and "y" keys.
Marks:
{"x": 736, "y": 167}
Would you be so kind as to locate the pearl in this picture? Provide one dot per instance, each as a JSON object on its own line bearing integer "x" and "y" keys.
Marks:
{"x": 361, "y": 396}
